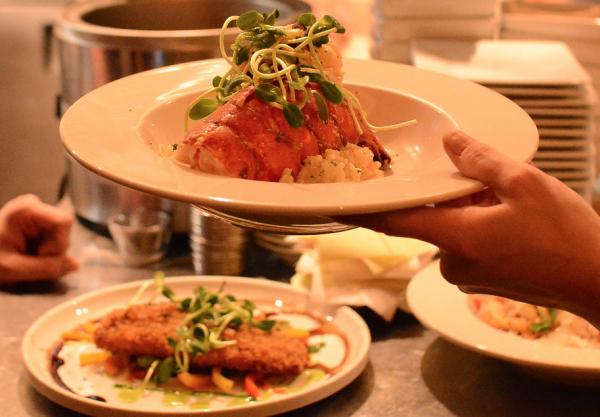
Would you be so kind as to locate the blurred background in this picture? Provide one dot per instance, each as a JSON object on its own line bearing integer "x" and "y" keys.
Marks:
{"x": 452, "y": 36}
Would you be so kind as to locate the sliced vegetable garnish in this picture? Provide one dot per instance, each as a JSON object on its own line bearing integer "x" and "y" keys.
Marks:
{"x": 221, "y": 381}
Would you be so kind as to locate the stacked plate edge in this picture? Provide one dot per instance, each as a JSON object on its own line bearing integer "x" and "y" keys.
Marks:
{"x": 543, "y": 78}
{"x": 397, "y": 22}
{"x": 575, "y": 23}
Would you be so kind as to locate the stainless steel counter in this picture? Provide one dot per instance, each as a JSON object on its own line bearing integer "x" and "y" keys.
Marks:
{"x": 412, "y": 372}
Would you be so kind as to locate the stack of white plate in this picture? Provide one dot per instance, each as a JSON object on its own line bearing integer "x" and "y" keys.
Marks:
{"x": 397, "y": 22}
{"x": 577, "y": 23}
{"x": 542, "y": 77}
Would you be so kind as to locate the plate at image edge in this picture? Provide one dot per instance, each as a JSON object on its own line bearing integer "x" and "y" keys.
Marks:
{"x": 442, "y": 307}
{"x": 116, "y": 129}
{"x": 45, "y": 332}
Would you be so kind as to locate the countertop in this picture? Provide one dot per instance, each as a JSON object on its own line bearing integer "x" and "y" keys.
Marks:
{"x": 411, "y": 372}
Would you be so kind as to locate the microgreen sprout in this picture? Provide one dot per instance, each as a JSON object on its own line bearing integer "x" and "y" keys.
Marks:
{"x": 207, "y": 316}
{"x": 547, "y": 318}
{"x": 283, "y": 63}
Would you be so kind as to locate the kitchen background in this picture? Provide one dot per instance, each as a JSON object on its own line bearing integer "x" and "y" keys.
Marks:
{"x": 406, "y": 31}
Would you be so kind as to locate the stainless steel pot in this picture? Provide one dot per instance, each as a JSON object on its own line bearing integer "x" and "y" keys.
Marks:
{"x": 102, "y": 40}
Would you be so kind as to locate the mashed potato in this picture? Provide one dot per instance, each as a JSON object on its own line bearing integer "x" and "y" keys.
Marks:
{"x": 350, "y": 163}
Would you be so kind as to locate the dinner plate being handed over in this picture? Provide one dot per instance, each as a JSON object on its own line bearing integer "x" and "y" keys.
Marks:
{"x": 117, "y": 129}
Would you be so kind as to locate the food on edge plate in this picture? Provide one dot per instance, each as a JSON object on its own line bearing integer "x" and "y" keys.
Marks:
{"x": 534, "y": 322}
{"x": 209, "y": 350}
{"x": 281, "y": 113}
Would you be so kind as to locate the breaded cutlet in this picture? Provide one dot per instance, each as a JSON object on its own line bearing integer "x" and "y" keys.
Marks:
{"x": 143, "y": 330}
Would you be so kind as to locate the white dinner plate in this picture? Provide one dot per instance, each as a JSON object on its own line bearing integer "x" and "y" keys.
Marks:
{"x": 583, "y": 102}
{"x": 565, "y": 143}
{"x": 44, "y": 334}
{"x": 534, "y": 91}
{"x": 109, "y": 131}
{"x": 564, "y": 164}
{"x": 565, "y": 154}
{"x": 502, "y": 62}
{"x": 569, "y": 122}
{"x": 566, "y": 132}
{"x": 581, "y": 175}
{"x": 443, "y": 307}
{"x": 580, "y": 111}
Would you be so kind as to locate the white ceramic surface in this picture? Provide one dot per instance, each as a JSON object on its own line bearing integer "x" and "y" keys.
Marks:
{"x": 564, "y": 164}
{"x": 564, "y": 112}
{"x": 585, "y": 50}
{"x": 553, "y": 102}
{"x": 46, "y": 332}
{"x": 502, "y": 61}
{"x": 443, "y": 308}
{"x": 563, "y": 132}
{"x": 528, "y": 90}
{"x": 559, "y": 27}
{"x": 107, "y": 130}
{"x": 567, "y": 154}
{"x": 565, "y": 142}
{"x": 572, "y": 122}
{"x": 395, "y": 51}
{"x": 457, "y": 27}
{"x": 581, "y": 175}
{"x": 435, "y": 8}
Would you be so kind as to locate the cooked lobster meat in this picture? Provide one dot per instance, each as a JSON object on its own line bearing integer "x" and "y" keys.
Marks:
{"x": 248, "y": 138}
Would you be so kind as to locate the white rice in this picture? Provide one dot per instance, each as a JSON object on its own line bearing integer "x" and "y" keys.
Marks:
{"x": 350, "y": 163}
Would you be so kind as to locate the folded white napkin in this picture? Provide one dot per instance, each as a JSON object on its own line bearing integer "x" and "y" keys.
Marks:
{"x": 360, "y": 267}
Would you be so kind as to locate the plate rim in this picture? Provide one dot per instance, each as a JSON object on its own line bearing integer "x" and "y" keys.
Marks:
{"x": 460, "y": 185}
{"x": 84, "y": 405}
{"x": 432, "y": 275}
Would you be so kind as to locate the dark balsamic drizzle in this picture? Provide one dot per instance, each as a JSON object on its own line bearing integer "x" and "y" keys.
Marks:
{"x": 55, "y": 363}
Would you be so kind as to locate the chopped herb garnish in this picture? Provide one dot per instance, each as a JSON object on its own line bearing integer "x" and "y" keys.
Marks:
{"x": 208, "y": 315}
{"x": 281, "y": 61}
{"x": 547, "y": 319}
{"x": 265, "y": 325}
{"x": 315, "y": 348}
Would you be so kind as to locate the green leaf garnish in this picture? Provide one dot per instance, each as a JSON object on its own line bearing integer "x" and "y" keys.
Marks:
{"x": 145, "y": 361}
{"x": 203, "y": 108}
{"x": 332, "y": 22}
{"x": 168, "y": 293}
{"x": 250, "y": 20}
{"x": 264, "y": 40}
{"x": 164, "y": 370}
{"x": 268, "y": 92}
{"x": 307, "y": 19}
{"x": 321, "y": 106}
{"x": 548, "y": 318}
{"x": 315, "y": 348}
{"x": 241, "y": 54}
{"x": 271, "y": 17}
{"x": 265, "y": 325}
{"x": 172, "y": 342}
{"x": 332, "y": 92}
{"x": 293, "y": 114}
{"x": 184, "y": 305}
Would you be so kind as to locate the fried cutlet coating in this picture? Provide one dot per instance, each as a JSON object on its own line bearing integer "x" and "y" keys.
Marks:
{"x": 143, "y": 330}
